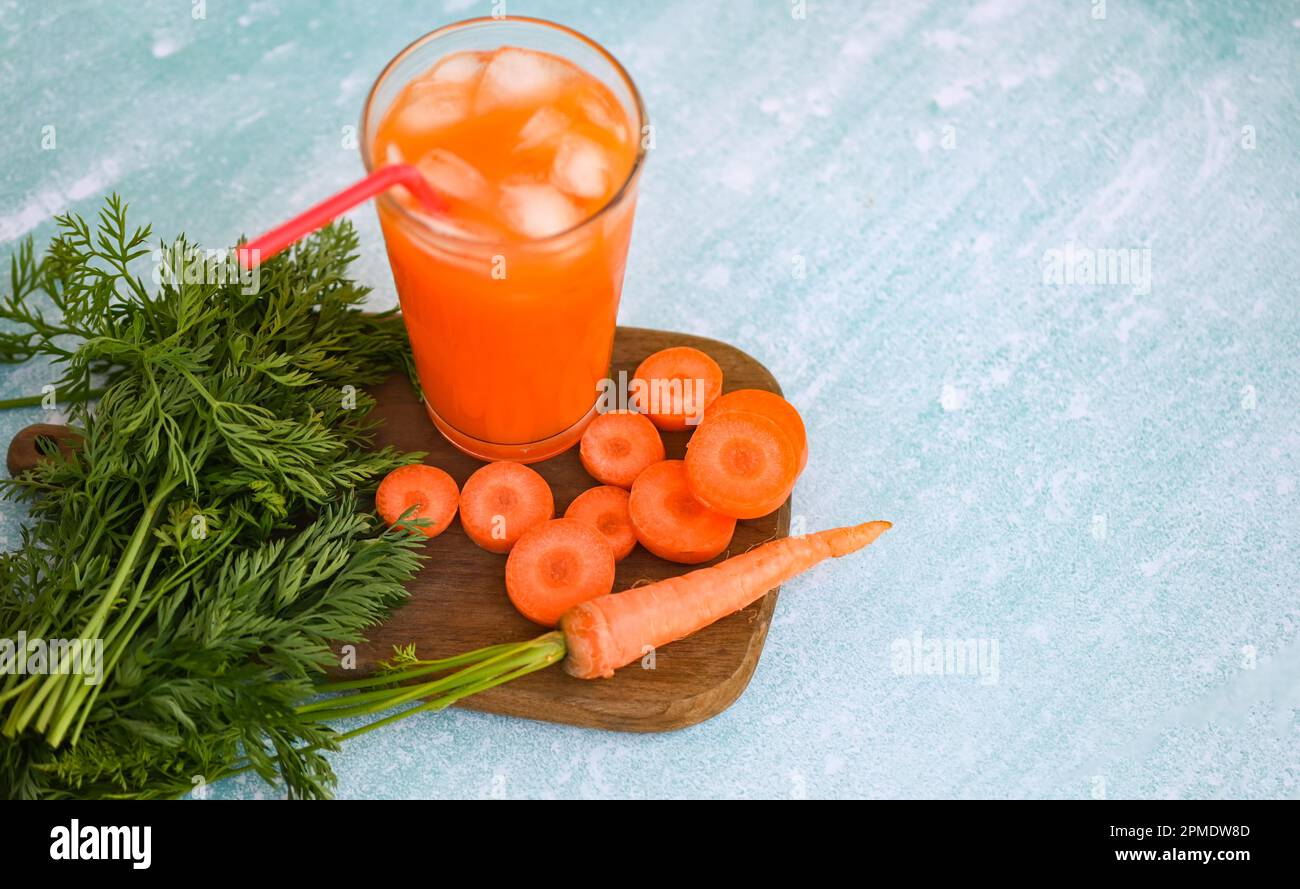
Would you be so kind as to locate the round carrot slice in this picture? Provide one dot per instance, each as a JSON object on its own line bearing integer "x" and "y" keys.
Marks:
{"x": 670, "y": 522}
{"x": 741, "y": 464}
{"x": 427, "y": 491}
{"x": 616, "y": 446}
{"x": 501, "y": 501}
{"x": 770, "y": 405}
{"x": 676, "y": 385}
{"x": 556, "y": 565}
{"x": 605, "y": 509}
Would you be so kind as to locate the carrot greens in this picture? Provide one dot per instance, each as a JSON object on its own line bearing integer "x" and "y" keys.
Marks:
{"x": 207, "y": 533}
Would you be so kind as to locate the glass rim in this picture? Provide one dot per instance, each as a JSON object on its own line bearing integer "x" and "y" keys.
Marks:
{"x": 408, "y": 215}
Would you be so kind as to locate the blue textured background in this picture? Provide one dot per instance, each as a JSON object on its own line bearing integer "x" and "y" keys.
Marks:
{"x": 945, "y": 386}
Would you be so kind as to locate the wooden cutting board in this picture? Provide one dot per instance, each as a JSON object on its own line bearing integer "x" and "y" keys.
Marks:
{"x": 458, "y": 600}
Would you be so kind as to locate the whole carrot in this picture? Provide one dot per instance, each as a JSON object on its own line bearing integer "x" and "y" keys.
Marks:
{"x": 607, "y": 632}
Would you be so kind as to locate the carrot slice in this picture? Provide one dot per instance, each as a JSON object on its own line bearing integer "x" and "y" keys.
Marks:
{"x": 431, "y": 493}
{"x": 670, "y": 522}
{"x": 605, "y": 509}
{"x": 556, "y": 565}
{"x": 501, "y": 501}
{"x": 770, "y": 405}
{"x": 616, "y": 446}
{"x": 676, "y": 385}
{"x": 741, "y": 464}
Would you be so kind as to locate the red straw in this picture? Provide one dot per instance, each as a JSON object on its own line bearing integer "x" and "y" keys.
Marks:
{"x": 259, "y": 249}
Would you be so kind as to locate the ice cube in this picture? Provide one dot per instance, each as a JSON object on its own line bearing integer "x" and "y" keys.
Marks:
{"x": 393, "y": 155}
{"x": 452, "y": 175}
{"x": 543, "y": 127}
{"x": 430, "y": 106}
{"x": 603, "y": 115}
{"x": 464, "y": 229}
{"x": 538, "y": 210}
{"x": 517, "y": 77}
{"x": 462, "y": 67}
{"x": 581, "y": 168}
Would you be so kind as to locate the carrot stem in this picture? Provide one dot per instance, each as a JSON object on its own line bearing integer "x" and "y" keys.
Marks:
{"x": 550, "y": 657}
{"x": 424, "y": 668}
{"x": 537, "y": 653}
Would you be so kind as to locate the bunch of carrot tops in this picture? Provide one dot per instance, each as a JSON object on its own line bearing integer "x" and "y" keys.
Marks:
{"x": 207, "y": 532}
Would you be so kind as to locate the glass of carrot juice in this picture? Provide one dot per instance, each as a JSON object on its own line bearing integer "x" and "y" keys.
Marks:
{"x": 532, "y": 135}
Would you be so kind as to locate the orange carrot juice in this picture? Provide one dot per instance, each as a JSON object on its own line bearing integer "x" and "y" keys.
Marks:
{"x": 510, "y": 296}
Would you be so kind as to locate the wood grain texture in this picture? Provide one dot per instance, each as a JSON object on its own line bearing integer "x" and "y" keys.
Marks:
{"x": 458, "y": 600}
